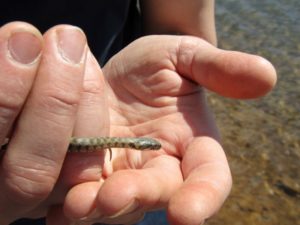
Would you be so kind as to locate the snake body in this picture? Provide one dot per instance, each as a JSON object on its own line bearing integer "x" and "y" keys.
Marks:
{"x": 94, "y": 144}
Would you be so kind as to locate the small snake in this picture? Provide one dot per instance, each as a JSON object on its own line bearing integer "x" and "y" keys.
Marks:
{"x": 94, "y": 144}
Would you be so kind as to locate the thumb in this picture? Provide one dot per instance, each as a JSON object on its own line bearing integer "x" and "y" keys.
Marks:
{"x": 228, "y": 73}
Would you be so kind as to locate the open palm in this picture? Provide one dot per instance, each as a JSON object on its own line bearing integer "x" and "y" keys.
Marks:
{"x": 155, "y": 89}
{"x": 52, "y": 88}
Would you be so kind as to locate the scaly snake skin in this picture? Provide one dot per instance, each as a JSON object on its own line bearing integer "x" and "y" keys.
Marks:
{"x": 94, "y": 144}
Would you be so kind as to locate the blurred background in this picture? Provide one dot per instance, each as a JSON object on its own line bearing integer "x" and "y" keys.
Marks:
{"x": 262, "y": 137}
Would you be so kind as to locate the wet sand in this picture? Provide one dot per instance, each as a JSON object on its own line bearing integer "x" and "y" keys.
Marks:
{"x": 262, "y": 137}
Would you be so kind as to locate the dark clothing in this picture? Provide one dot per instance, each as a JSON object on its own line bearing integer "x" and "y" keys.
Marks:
{"x": 109, "y": 25}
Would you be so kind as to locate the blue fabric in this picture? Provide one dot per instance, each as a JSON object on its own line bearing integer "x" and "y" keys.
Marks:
{"x": 151, "y": 218}
{"x": 157, "y": 218}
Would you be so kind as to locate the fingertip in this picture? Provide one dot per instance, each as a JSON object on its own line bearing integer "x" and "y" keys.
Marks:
{"x": 68, "y": 43}
{"x": 20, "y": 45}
{"x": 184, "y": 211}
{"x": 268, "y": 76}
{"x": 245, "y": 76}
{"x": 117, "y": 192}
{"x": 190, "y": 212}
{"x": 146, "y": 188}
{"x": 229, "y": 73}
{"x": 202, "y": 194}
{"x": 21, "y": 26}
{"x": 80, "y": 200}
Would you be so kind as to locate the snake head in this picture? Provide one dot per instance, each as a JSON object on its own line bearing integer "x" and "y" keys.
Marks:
{"x": 144, "y": 143}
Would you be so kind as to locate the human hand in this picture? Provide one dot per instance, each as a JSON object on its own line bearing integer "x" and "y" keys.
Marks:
{"x": 43, "y": 81}
{"x": 155, "y": 89}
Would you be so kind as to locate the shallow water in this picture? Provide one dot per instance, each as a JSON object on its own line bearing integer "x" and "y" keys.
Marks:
{"x": 262, "y": 137}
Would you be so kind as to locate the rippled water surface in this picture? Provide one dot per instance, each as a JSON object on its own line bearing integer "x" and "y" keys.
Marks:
{"x": 262, "y": 137}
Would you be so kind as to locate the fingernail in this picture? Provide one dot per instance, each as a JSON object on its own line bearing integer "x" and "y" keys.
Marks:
{"x": 24, "y": 47}
{"x": 71, "y": 44}
{"x": 131, "y": 207}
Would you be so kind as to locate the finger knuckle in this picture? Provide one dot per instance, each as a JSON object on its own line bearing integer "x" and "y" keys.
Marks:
{"x": 13, "y": 90}
{"x": 6, "y": 116}
{"x": 93, "y": 87}
{"x": 59, "y": 101}
{"x": 28, "y": 183}
{"x": 10, "y": 105}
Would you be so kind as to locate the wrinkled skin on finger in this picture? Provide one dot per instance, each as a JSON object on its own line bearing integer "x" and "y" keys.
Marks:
{"x": 64, "y": 94}
{"x": 155, "y": 87}
{"x": 43, "y": 79}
